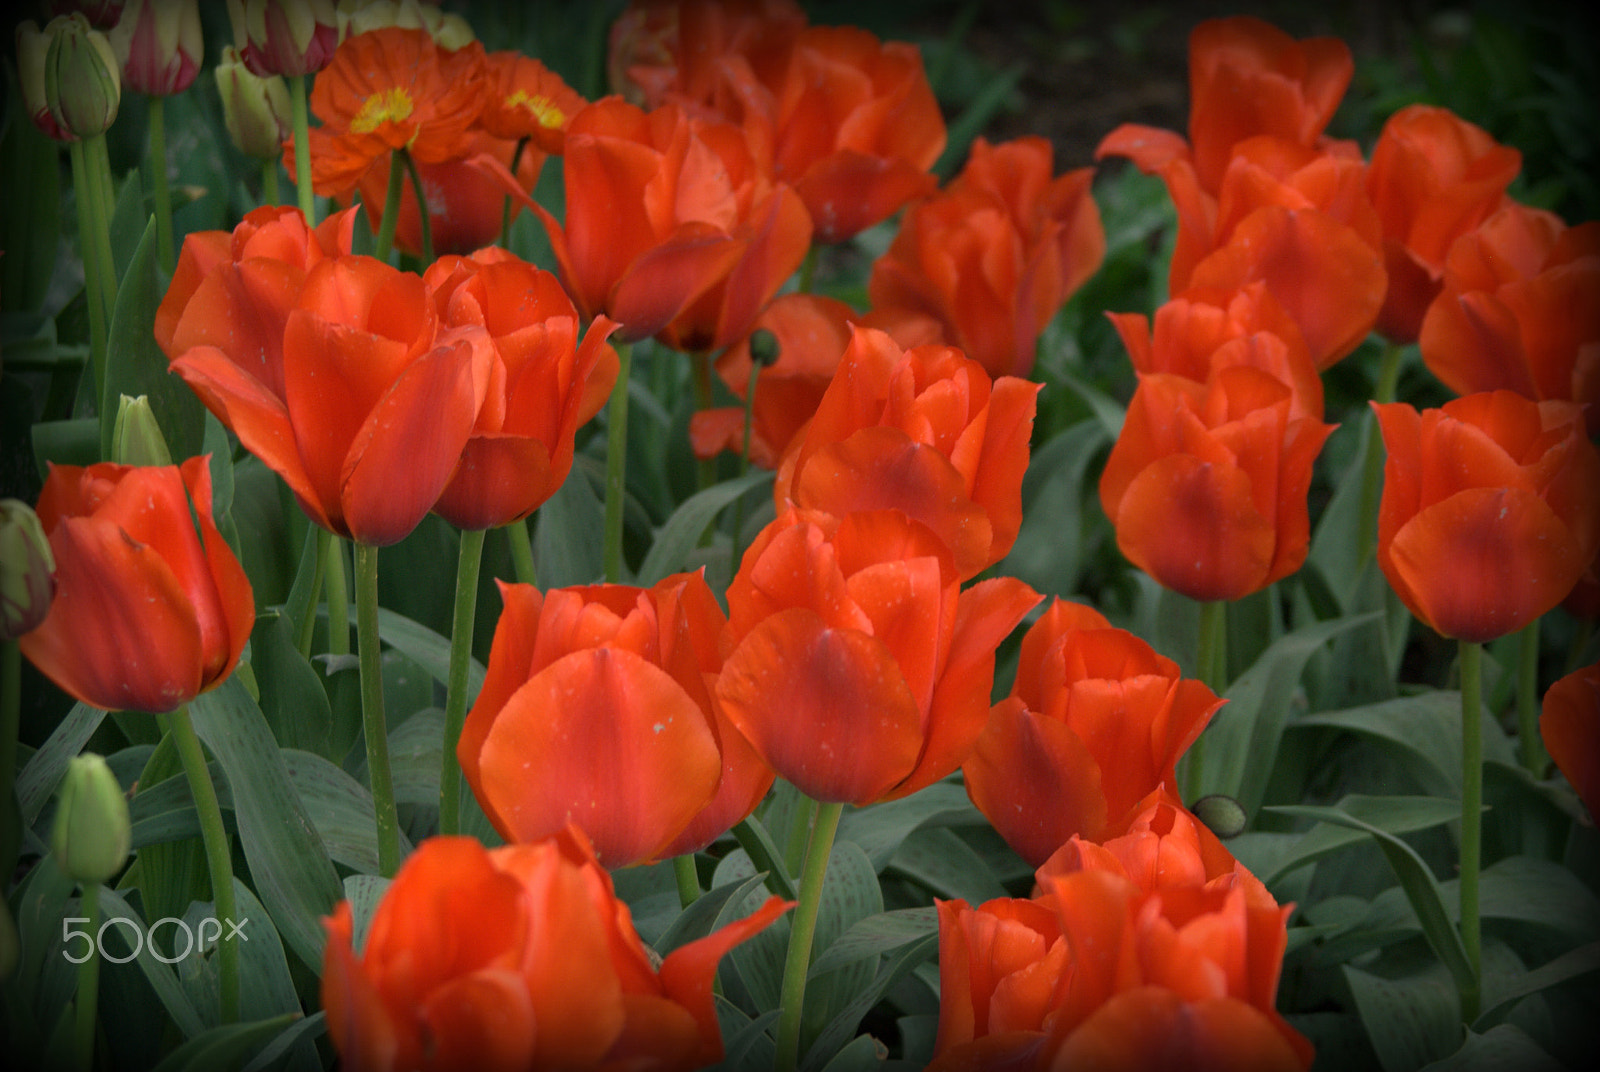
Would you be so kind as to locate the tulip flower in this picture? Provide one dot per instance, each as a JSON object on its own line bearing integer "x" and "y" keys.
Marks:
{"x": 596, "y": 710}
{"x": 513, "y": 958}
{"x": 1207, "y": 483}
{"x": 995, "y": 255}
{"x": 159, "y": 45}
{"x": 925, "y": 431}
{"x": 1488, "y": 515}
{"x": 27, "y": 570}
{"x": 151, "y": 606}
{"x": 1519, "y": 310}
{"x": 1095, "y": 721}
{"x": 856, "y": 666}
{"x": 91, "y": 834}
{"x": 81, "y": 79}
{"x": 287, "y": 37}
{"x": 661, "y": 50}
{"x": 1570, "y": 727}
{"x": 448, "y": 30}
{"x": 102, "y": 14}
{"x": 1433, "y": 177}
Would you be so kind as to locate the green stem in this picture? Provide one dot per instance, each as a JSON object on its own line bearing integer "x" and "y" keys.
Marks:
{"x": 301, "y": 118}
{"x": 88, "y": 214}
{"x": 736, "y": 552}
{"x": 455, "y": 706}
{"x": 803, "y": 931}
{"x": 616, "y": 464}
{"x": 269, "y": 182}
{"x": 522, "y": 552}
{"x": 808, "y": 268}
{"x": 337, "y": 594}
{"x": 425, "y": 224}
{"x": 158, "y": 174}
{"x": 1372, "y": 466}
{"x": 305, "y": 615}
{"x": 700, "y": 361}
{"x": 1533, "y": 755}
{"x": 1471, "y": 819}
{"x": 391, "y": 211}
{"x": 219, "y": 858}
{"x": 372, "y": 716}
{"x": 1211, "y": 662}
{"x": 688, "y": 881}
{"x": 89, "y": 979}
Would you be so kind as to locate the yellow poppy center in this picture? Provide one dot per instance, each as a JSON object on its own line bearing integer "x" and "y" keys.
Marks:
{"x": 543, "y": 108}
{"x": 387, "y": 106}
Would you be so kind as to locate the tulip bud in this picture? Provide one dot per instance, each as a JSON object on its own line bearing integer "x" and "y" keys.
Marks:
{"x": 136, "y": 438}
{"x": 82, "y": 86}
{"x": 448, "y": 31}
{"x": 256, "y": 110}
{"x": 27, "y": 570}
{"x": 287, "y": 37}
{"x": 91, "y": 836}
{"x": 1222, "y": 814}
{"x": 32, "y": 47}
{"x": 159, "y": 45}
{"x": 102, "y": 14}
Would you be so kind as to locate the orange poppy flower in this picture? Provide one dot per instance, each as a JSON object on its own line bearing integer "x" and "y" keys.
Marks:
{"x": 542, "y": 386}
{"x": 1433, "y": 177}
{"x": 151, "y": 607}
{"x": 995, "y": 255}
{"x": 856, "y": 666}
{"x": 534, "y": 964}
{"x": 585, "y": 684}
{"x": 925, "y": 431}
{"x": 1095, "y": 721}
{"x": 526, "y": 99}
{"x": 671, "y": 228}
{"x": 1488, "y": 515}
{"x": 1207, "y": 483}
{"x": 387, "y": 89}
{"x": 1570, "y": 726}
{"x": 1520, "y": 311}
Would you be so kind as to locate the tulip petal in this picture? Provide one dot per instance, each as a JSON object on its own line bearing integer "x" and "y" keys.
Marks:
{"x": 1150, "y": 1029}
{"x": 1570, "y": 726}
{"x": 501, "y": 479}
{"x": 480, "y": 1021}
{"x": 361, "y": 1028}
{"x": 661, "y": 281}
{"x": 688, "y": 971}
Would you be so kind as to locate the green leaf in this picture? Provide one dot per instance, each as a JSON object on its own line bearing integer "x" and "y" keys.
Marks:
{"x": 878, "y": 935}
{"x": 45, "y": 768}
{"x": 975, "y": 116}
{"x": 364, "y": 892}
{"x": 757, "y": 843}
{"x": 860, "y": 1053}
{"x": 304, "y": 1030}
{"x": 881, "y": 829}
{"x": 66, "y": 442}
{"x": 414, "y": 757}
{"x": 340, "y": 808}
{"x": 290, "y": 865}
{"x": 425, "y": 647}
{"x": 1571, "y": 965}
{"x": 265, "y": 985}
{"x": 679, "y": 537}
{"x": 129, "y": 221}
{"x": 225, "y": 1046}
{"x": 1242, "y": 739}
{"x": 566, "y": 540}
{"x": 940, "y": 862}
{"x": 30, "y": 211}
{"x": 135, "y": 365}
{"x": 292, "y": 697}
{"x": 1395, "y": 814}
{"x": 1496, "y": 1050}
{"x": 844, "y": 1025}
{"x": 163, "y": 980}
{"x": 1410, "y": 1021}
{"x": 710, "y": 911}
{"x": 1047, "y": 552}
{"x": 215, "y": 442}
{"x": 1517, "y": 889}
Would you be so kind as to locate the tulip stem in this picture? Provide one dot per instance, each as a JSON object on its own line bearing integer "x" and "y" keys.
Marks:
{"x": 88, "y": 998}
{"x": 455, "y": 705}
{"x": 337, "y": 593}
{"x": 88, "y": 215}
{"x": 269, "y": 182}
{"x": 616, "y": 464}
{"x": 700, "y": 361}
{"x": 219, "y": 857}
{"x": 1471, "y": 818}
{"x": 391, "y": 211}
{"x": 301, "y": 118}
{"x": 688, "y": 880}
{"x": 735, "y": 552}
{"x": 1211, "y": 661}
{"x": 425, "y": 224}
{"x": 1372, "y": 464}
{"x": 1533, "y": 754}
{"x": 158, "y": 175}
{"x": 803, "y": 932}
{"x": 372, "y": 716}
{"x": 522, "y": 552}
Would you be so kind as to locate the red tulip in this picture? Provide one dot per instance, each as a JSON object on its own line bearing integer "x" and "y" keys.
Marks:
{"x": 514, "y": 958}
{"x": 661, "y": 50}
{"x": 151, "y": 607}
{"x": 1570, "y": 726}
{"x": 597, "y": 710}
{"x": 856, "y": 666}
{"x": 1488, "y": 515}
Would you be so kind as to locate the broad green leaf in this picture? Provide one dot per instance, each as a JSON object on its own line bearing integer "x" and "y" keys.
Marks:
{"x": 66, "y": 442}
{"x": 340, "y": 808}
{"x": 129, "y": 219}
{"x": 876, "y": 936}
{"x": 746, "y": 1042}
{"x": 1517, "y": 889}
{"x": 414, "y": 758}
{"x": 1497, "y": 1050}
{"x": 881, "y": 829}
{"x": 678, "y": 538}
{"x": 566, "y": 541}
{"x": 292, "y": 698}
{"x": 41, "y": 900}
{"x": 305, "y": 1030}
{"x": 859, "y": 1054}
{"x": 1571, "y": 965}
{"x": 38, "y": 780}
{"x": 294, "y": 877}
{"x": 709, "y": 912}
{"x": 1395, "y": 814}
{"x": 30, "y": 211}
{"x": 426, "y": 648}
{"x": 1047, "y": 551}
{"x": 364, "y": 892}
{"x": 849, "y": 894}
{"x": 226, "y": 1046}
{"x": 172, "y": 863}
{"x": 753, "y": 838}
{"x": 163, "y": 980}
{"x": 265, "y": 986}
{"x": 1409, "y": 1021}
{"x": 943, "y": 864}
{"x": 845, "y": 1024}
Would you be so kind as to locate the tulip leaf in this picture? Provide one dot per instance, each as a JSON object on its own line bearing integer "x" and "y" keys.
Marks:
{"x": 41, "y": 900}
{"x": 1410, "y": 1021}
{"x": 1047, "y": 554}
{"x": 1518, "y": 889}
{"x": 747, "y": 1042}
{"x": 66, "y": 442}
{"x": 757, "y": 843}
{"x": 294, "y": 877}
{"x": 844, "y": 1025}
{"x": 302, "y": 1032}
{"x": 163, "y": 812}
{"x": 860, "y": 1053}
{"x": 566, "y": 545}
{"x": 38, "y": 780}
{"x": 881, "y": 829}
{"x": 364, "y": 892}
{"x": 975, "y": 116}
{"x": 942, "y": 863}
{"x": 341, "y": 809}
{"x": 709, "y": 912}
{"x": 1395, "y": 814}
{"x": 135, "y": 365}
{"x": 1243, "y": 737}
{"x": 160, "y": 975}
{"x": 1502, "y": 1047}
{"x": 678, "y": 538}
{"x": 129, "y": 226}
{"x": 1573, "y": 964}
{"x": 266, "y": 987}
{"x": 225, "y": 1046}
{"x": 877, "y": 935}
{"x": 414, "y": 757}
{"x": 215, "y": 442}
{"x": 424, "y": 647}
{"x": 292, "y": 698}
{"x": 30, "y": 212}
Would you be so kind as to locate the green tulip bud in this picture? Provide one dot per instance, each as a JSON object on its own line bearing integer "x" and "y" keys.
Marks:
{"x": 256, "y": 110}
{"x": 27, "y": 570}
{"x": 136, "y": 438}
{"x": 92, "y": 831}
{"x": 82, "y": 82}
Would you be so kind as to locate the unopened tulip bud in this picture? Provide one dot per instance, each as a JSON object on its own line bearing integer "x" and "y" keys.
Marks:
{"x": 32, "y": 47}
{"x": 92, "y": 833}
{"x": 256, "y": 110}
{"x": 1222, "y": 814}
{"x": 287, "y": 37}
{"x": 159, "y": 45}
{"x": 82, "y": 87}
{"x": 136, "y": 438}
{"x": 27, "y": 570}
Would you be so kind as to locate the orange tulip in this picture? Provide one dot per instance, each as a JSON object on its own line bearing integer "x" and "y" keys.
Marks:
{"x": 344, "y": 384}
{"x": 1488, "y": 515}
{"x": 925, "y": 431}
{"x": 151, "y": 607}
{"x": 596, "y": 710}
{"x": 514, "y": 958}
{"x": 1207, "y": 483}
{"x": 543, "y": 384}
{"x": 856, "y": 666}
{"x": 1433, "y": 177}
{"x": 995, "y": 255}
{"x": 527, "y": 100}
{"x": 1570, "y": 726}
{"x": 1095, "y": 721}
{"x": 1520, "y": 311}
{"x": 1003, "y": 968}
{"x": 671, "y": 228}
